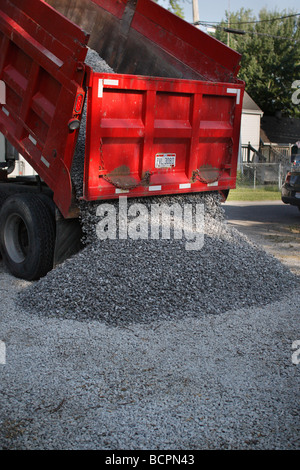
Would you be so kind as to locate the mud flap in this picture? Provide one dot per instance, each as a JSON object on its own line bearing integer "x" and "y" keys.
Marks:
{"x": 68, "y": 238}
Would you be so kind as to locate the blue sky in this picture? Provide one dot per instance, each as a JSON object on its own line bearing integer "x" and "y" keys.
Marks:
{"x": 215, "y": 10}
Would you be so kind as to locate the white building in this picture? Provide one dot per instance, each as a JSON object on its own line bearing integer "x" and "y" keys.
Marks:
{"x": 250, "y": 125}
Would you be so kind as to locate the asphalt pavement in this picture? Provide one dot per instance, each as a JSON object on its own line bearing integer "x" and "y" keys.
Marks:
{"x": 272, "y": 224}
{"x": 269, "y": 212}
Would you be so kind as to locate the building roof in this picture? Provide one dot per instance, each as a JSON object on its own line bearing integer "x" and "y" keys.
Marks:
{"x": 249, "y": 106}
{"x": 280, "y": 130}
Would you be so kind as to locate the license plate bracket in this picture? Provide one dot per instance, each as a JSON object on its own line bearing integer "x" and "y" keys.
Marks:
{"x": 165, "y": 160}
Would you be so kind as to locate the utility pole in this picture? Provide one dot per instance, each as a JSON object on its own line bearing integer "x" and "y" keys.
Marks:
{"x": 228, "y": 25}
{"x": 195, "y": 11}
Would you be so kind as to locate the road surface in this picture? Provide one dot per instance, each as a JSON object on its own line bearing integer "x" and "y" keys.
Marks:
{"x": 272, "y": 224}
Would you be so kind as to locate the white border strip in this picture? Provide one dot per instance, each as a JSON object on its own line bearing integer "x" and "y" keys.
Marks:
{"x": 32, "y": 139}
{"x": 45, "y": 161}
{"x": 100, "y": 88}
{"x": 2, "y": 92}
{"x": 110, "y": 82}
{"x": 235, "y": 91}
{"x": 121, "y": 191}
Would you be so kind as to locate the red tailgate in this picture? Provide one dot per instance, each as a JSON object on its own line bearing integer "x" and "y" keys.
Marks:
{"x": 150, "y": 135}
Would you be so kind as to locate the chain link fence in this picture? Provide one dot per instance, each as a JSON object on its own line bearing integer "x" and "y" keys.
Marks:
{"x": 263, "y": 174}
{"x": 266, "y": 167}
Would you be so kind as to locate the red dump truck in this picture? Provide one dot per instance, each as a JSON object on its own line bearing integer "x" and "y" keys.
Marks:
{"x": 166, "y": 122}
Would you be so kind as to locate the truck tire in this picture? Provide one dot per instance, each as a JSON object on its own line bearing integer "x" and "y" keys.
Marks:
{"x": 3, "y": 196}
{"x": 27, "y": 236}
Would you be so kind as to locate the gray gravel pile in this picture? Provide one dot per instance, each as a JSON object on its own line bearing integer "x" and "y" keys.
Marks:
{"x": 140, "y": 281}
{"x": 216, "y": 382}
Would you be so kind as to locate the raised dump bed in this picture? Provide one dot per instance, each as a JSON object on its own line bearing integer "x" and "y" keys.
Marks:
{"x": 166, "y": 122}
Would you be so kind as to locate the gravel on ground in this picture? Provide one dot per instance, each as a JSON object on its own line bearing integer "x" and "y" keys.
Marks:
{"x": 146, "y": 345}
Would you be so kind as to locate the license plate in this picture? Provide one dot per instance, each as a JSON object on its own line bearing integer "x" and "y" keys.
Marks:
{"x": 297, "y": 195}
{"x": 165, "y": 160}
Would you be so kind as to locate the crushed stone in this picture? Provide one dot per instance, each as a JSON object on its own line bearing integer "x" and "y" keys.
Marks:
{"x": 143, "y": 280}
{"x": 140, "y": 281}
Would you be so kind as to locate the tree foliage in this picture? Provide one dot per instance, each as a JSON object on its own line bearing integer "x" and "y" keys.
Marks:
{"x": 174, "y": 6}
{"x": 270, "y": 56}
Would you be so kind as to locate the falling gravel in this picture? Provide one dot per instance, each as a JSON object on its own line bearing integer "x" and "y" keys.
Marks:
{"x": 98, "y": 65}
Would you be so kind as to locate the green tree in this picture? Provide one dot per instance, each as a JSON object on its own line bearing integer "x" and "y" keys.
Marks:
{"x": 174, "y": 6}
{"x": 270, "y": 51}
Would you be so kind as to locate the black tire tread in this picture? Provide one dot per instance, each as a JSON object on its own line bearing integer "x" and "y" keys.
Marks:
{"x": 44, "y": 228}
{"x": 3, "y": 196}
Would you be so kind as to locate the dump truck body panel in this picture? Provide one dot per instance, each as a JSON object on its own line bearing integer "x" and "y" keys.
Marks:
{"x": 41, "y": 65}
{"x": 149, "y": 135}
{"x": 140, "y": 37}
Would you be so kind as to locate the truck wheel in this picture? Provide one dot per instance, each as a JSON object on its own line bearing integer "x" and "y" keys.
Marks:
{"x": 27, "y": 236}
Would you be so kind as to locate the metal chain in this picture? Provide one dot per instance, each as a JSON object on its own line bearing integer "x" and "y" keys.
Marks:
{"x": 196, "y": 175}
{"x": 144, "y": 181}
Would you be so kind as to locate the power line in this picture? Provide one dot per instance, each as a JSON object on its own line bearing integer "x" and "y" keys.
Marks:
{"x": 228, "y": 29}
{"x": 213, "y": 23}
{"x": 269, "y": 20}
{"x": 242, "y": 32}
{"x": 272, "y": 36}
